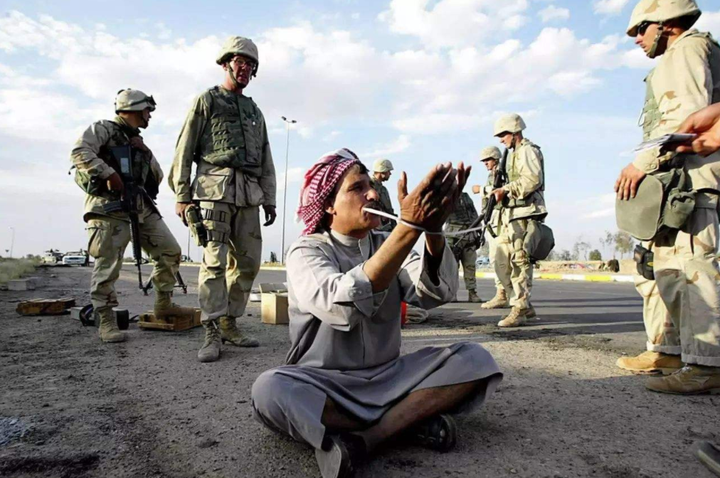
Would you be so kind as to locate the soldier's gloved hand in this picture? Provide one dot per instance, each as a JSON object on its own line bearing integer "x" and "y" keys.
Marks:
{"x": 138, "y": 143}
{"x": 114, "y": 183}
{"x": 433, "y": 200}
{"x": 270, "y": 214}
{"x": 180, "y": 208}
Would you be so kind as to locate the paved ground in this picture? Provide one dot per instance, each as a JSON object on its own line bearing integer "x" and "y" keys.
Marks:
{"x": 71, "y": 406}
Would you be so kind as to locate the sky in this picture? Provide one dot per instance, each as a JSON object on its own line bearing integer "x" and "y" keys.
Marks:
{"x": 415, "y": 81}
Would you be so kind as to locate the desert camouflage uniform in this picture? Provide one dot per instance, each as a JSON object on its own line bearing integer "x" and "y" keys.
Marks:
{"x": 229, "y": 197}
{"x": 387, "y": 224}
{"x": 504, "y": 262}
{"x": 462, "y": 218}
{"x": 524, "y": 202}
{"x": 682, "y": 305}
{"x": 109, "y": 233}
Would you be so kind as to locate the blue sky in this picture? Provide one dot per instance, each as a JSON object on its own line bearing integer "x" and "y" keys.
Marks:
{"x": 415, "y": 81}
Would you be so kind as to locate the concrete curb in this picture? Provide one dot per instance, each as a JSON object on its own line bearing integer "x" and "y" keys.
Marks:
{"x": 491, "y": 275}
{"x": 570, "y": 277}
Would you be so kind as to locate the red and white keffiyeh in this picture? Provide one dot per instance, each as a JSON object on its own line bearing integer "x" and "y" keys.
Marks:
{"x": 320, "y": 181}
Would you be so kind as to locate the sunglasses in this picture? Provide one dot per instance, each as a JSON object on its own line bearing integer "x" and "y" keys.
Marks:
{"x": 642, "y": 28}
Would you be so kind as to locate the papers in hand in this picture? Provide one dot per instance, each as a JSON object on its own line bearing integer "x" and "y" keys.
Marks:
{"x": 675, "y": 138}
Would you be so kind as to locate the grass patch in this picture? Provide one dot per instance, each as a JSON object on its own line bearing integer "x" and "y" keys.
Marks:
{"x": 15, "y": 268}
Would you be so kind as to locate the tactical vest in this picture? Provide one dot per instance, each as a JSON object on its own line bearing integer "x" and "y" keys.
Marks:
{"x": 464, "y": 213}
{"x": 234, "y": 135}
{"x": 514, "y": 175}
{"x": 119, "y": 136}
{"x": 650, "y": 117}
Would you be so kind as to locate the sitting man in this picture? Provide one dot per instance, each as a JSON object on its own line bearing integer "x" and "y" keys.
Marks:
{"x": 345, "y": 389}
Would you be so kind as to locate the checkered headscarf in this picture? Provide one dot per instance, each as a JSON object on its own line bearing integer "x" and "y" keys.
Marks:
{"x": 320, "y": 181}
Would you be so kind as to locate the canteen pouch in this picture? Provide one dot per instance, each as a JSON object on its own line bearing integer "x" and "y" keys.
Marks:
{"x": 644, "y": 259}
{"x": 539, "y": 241}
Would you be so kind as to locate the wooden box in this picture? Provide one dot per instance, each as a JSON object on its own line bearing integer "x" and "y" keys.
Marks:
{"x": 174, "y": 323}
{"x": 275, "y": 308}
{"x": 45, "y": 306}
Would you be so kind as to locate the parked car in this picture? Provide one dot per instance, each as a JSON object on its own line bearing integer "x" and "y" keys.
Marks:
{"x": 482, "y": 262}
{"x": 74, "y": 260}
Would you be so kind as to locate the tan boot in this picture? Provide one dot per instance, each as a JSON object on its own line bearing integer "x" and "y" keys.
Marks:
{"x": 651, "y": 363}
{"x": 473, "y": 297}
{"x": 515, "y": 318}
{"x": 164, "y": 306}
{"x": 500, "y": 301}
{"x": 210, "y": 351}
{"x": 689, "y": 380}
{"x": 229, "y": 332}
{"x": 107, "y": 326}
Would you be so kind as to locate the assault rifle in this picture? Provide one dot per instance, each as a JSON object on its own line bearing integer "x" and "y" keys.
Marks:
{"x": 498, "y": 181}
{"x": 129, "y": 202}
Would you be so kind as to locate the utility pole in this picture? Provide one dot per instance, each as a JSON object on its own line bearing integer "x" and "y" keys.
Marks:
{"x": 12, "y": 241}
{"x": 288, "y": 122}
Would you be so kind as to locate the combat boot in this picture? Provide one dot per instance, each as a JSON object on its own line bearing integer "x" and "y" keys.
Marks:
{"x": 531, "y": 314}
{"x": 689, "y": 380}
{"x": 473, "y": 297}
{"x": 164, "y": 306}
{"x": 229, "y": 332}
{"x": 210, "y": 351}
{"x": 500, "y": 301}
{"x": 515, "y": 318}
{"x": 107, "y": 326}
{"x": 651, "y": 363}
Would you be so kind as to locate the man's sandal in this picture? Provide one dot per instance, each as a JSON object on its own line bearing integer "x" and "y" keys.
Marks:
{"x": 437, "y": 433}
{"x": 339, "y": 455}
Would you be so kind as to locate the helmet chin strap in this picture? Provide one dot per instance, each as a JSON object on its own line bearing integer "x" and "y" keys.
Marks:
{"x": 653, "y": 50}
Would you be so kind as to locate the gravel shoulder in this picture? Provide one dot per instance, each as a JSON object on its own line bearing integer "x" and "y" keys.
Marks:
{"x": 71, "y": 406}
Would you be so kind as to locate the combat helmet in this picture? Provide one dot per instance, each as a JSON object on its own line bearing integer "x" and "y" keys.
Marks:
{"x": 382, "y": 166}
{"x": 133, "y": 100}
{"x": 491, "y": 152}
{"x": 510, "y": 123}
{"x": 236, "y": 45}
{"x": 660, "y": 11}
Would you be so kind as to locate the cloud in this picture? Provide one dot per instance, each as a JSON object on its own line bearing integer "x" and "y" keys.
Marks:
{"x": 453, "y": 23}
{"x": 609, "y": 7}
{"x": 709, "y": 22}
{"x": 552, "y": 12}
{"x": 398, "y": 145}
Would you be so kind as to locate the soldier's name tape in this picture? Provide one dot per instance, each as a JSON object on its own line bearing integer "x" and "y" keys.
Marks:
{"x": 421, "y": 229}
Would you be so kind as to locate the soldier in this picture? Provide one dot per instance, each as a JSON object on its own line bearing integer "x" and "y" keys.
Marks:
{"x": 680, "y": 306}
{"x": 462, "y": 218}
{"x": 97, "y": 174}
{"x": 523, "y": 202}
{"x": 490, "y": 157}
{"x": 382, "y": 169}
{"x": 225, "y": 135}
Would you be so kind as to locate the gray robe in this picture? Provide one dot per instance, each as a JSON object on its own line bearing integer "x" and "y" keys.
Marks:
{"x": 346, "y": 339}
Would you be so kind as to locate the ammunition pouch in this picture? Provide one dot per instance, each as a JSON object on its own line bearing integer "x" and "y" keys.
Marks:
{"x": 644, "y": 259}
{"x": 664, "y": 201}
{"x": 539, "y": 241}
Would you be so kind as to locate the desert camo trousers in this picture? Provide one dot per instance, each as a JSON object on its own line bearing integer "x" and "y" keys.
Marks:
{"x": 681, "y": 307}
{"x": 468, "y": 257}
{"x": 492, "y": 253}
{"x": 231, "y": 259}
{"x": 512, "y": 262}
{"x": 108, "y": 239}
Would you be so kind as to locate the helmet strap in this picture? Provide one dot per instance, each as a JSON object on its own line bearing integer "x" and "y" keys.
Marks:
{"x": 653, "y": 50}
